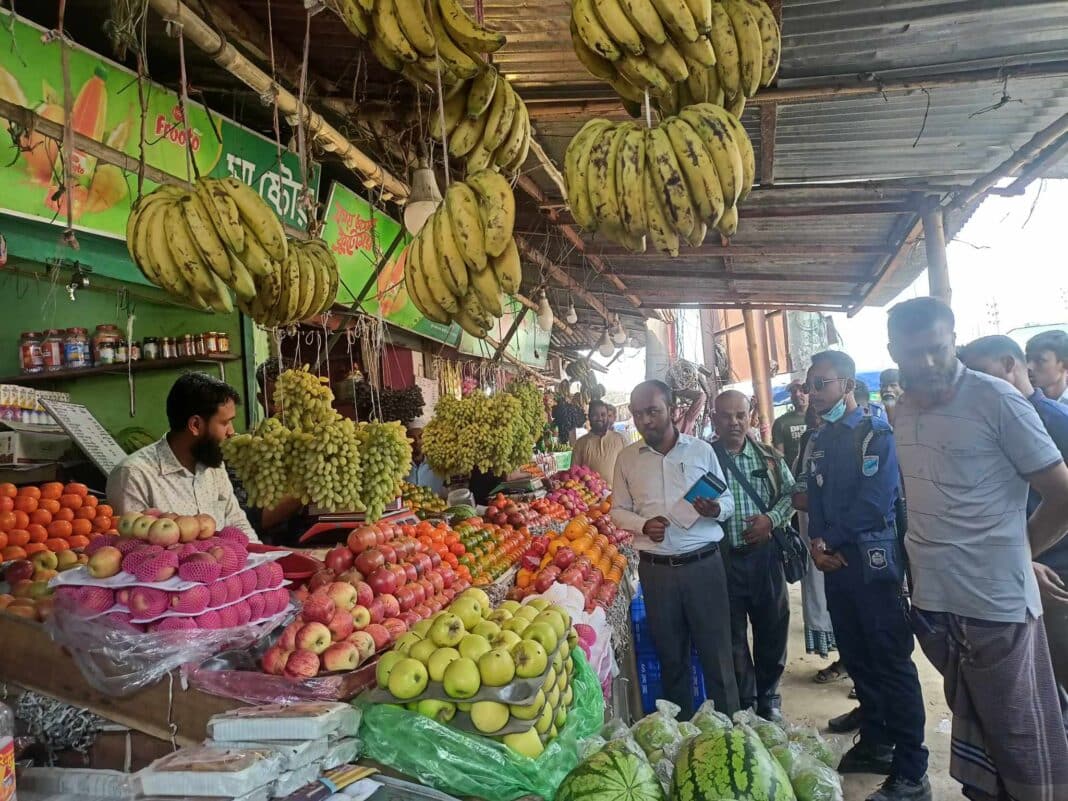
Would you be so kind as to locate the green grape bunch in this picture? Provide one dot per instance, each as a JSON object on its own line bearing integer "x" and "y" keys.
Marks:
{"x": 330, "y": 466}
{"x": 386, "y": 456}
{"x": 493, "y": 434}
{"x": 302, "y": 399}
{"x": 260, "y": 459}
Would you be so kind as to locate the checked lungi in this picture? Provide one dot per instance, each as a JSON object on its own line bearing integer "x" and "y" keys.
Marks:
{"x": 1008, "y": 740}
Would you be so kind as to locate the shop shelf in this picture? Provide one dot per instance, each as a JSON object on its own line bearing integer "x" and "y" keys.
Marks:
{"x": 141, "y": 366}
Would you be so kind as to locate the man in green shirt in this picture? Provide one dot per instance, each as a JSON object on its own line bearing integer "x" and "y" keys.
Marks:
{"x": 756, "y": 585}
{"x": 788, "y": 429}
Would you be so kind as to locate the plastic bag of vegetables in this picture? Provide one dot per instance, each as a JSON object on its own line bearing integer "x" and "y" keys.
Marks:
{"x": 811, "y": 779}
{"x": 813, "y": 743}
{"x": 708, "y": 719}
{"x": 771, "y": 734}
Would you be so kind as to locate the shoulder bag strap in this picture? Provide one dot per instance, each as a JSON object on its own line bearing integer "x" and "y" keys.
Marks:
{"x": 728, "y": 460}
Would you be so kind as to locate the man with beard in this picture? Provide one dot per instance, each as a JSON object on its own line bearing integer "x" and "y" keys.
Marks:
{"x": 598, "y": 449}
{"x": 969, "y": 446}
{"x": 183, "y": 472}
{"x": 787, "y": 430}
{"x": 680, "y": 564}
{"x": 852, "y": 488}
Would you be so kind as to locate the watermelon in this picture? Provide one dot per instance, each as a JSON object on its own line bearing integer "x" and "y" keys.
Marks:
{"x": 612, "y": 774}
{"x": 729, "y": 766}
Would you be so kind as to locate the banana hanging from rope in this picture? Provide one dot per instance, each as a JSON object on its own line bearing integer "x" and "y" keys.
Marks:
{"x": 663, "y": 185}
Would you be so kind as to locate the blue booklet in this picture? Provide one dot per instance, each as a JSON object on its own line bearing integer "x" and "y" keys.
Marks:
{"x": 708, "y": 486}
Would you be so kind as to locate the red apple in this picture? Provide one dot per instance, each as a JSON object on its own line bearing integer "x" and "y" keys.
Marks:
{"x": 339, "y": 559}
{"x": 343, "y": 594}
{"x": 351, "y": 576}
{"x": 340, "y": 656}
{"x": 435, "y": 558}
{"x": 274, "y": 660}
{"x": 448, "y": 575}
{"x": 364, "y": 593}
{"x": 288, "y": 640}
{"x": 302, "y": 665}
{"x": 564, "y": 558}
{"x": 361, "y": 617}
{"x": 381, "y": 635}
{"x": 367, "y": 562}
{"x": 19, "y": 570}
{"x": 320, "y": 579}
{"x": 377, "y": 608}
{"x": 450, "y": 593}
{"x": 436, "y": 580}
{"x": 390, "y": 606}
{"x": 410, "y": 618}
{"x": 341, "y": 625}
{"x": 399, "y": 572}
{"x": 319, "y": 608}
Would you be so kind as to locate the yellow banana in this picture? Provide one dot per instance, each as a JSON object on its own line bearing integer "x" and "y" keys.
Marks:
{"x": 479, "y": 158}
{"x": 643, "y": 16}
{"x": 388, "y": 30}
{"x": 595, "y": 64}
{"x": 468, "y": 323}
{"x": 429, "y": 309}
{"x": 258, "y": 261}
{"x": 770, "y": 40}
{"x": 242, "y": 282}
{"x": 466, "y": 31}
{"x": 618, "y": 26}
{"x": 453, "y": 271}
{"x": 667, "y": 179}
{"x": 735, "y": 104}
{"x": 697, "y": 236}
{"x": 507, "y": 155}
{"x": 415, "y": 26}
{"x": 219, "y": 298}
{"x": 496, "y": 209}
{"x": 592, "y": 32}
{"x": 508, "y": 268}
{"x": 628, "y": 91}
{"x": 137, "y": 239}
{"x": 728, "y": 223}
{"x": 488, "y": 291}
{"x": 430, "y": 266}
{"x": 640, "y": 71}
{"x": 750, "y": 48}
{"x": 481, "y": 93}
{"x": 500, "y": 116}
{"x": 576, "y": 169}
{"x": 207, "y": 241}
{"x": 327, "y": 275}
{"x": 466, "y": 225}
{"x": 454, "y": 57}
{"x": 745, "y": 148}
{"x": 698, "y": 170}
{"x": 257, "y": 217}
{"x": 661, "y": 231}
{"x": 669, "y": 60}
{"x": 677, "y": 19}
{"x": 223, "y": 213}
{"x": 307, "y": 281}
{"x": 725, "y": 43}
{"x": 354, "y": 17}
{"x": 629, "y": 184}
{"x": 159, "y": 254}
{"x": 700, "y": 51}
{"x": 386, "y": 57}
{"x": 180, "y": 240}
{"x": 454, "y": 112}
{"x": 466, "y": 135}
{"x": 701, "y": 10}
{"x": 516, "y": 164}
{"x": 604, "y": 206}
{"x": 719, "y": 142}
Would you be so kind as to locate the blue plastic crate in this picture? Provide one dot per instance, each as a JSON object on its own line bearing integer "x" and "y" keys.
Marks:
{"x": 649, "y": 679}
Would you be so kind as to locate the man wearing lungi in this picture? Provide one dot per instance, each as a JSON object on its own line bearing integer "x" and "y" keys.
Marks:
{"x": 969, "y": 445}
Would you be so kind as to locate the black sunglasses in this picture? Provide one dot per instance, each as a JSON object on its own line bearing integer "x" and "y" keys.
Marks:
{"x": 817, "y": 384}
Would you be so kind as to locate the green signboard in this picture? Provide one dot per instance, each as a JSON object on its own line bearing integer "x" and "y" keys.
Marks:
{"x": 359, "y": 237}
{"x": 105, "y": 108}
{"x": 529, "y": 344}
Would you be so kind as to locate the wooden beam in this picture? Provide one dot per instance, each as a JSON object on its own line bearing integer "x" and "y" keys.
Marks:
{"x": 769, "y": 116}
{"x": 756, "y": 339}
{"x": 549, "y": 108}
{"x": 547, "y": 164}
{"x": 510, "y": 333}
{"x": 560, "y": 276}
{"x": 755, "y": 252}
{"x": 850, "y": 277}
{"x": 1050, "y": 156}
{"x": 934, "y": 238}
{"x": 756, "y": 211}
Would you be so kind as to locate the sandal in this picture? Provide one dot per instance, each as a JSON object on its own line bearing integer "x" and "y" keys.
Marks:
{"x": 833, "y": 672}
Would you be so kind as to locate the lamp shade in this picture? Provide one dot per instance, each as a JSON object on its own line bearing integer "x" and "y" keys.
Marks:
{"x": 605, "y": 346}
{"x": 619, "y": 336}
{"x": 571, "y": 317}
{"x": 545, "y": 314}
{"x": 423, "y": 200}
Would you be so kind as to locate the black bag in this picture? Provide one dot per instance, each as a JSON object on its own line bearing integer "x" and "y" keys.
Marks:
{"x": 792, "y": 551}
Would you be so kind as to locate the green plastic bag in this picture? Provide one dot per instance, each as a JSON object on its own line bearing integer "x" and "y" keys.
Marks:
{"x": 468, "y": 765}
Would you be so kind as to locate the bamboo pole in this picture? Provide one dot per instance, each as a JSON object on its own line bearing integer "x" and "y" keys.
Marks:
{"x": 759, "y": 367}
{"x": 321, "y": 132}
{"x": 934, "y": 239}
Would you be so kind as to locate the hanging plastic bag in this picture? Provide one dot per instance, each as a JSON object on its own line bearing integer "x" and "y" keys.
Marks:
{"x": 468, "y": 765}
{"x": 811, "y": 779}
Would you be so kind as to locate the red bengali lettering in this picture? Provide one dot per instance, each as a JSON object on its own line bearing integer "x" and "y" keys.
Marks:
{"x": 354, "y": 232}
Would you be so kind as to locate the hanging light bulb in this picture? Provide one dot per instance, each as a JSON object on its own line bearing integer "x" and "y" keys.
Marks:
{"x": 571, "y": 316}
{"x": 424, "y": 198}
{"x": 545, "y": 314}
{"x": 619, "y": 336}
{"x": 604, "y": 345}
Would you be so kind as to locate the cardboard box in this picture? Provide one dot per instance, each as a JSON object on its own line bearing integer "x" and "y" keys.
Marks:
{"x": 28, "y": 447}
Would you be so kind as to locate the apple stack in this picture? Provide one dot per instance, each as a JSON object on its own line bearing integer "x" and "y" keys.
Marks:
{"x": 503, "y": 673}
{"x": 165, "y": 572}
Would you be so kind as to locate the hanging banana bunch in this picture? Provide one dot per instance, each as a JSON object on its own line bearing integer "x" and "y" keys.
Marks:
{"x": 668, "y": 184}
{"x": 200, "y": 244}
{"x": 486, "y": 123}
{"x": 421, "y": 39}
{"x": 681, "y": 51}
{"x": 464, "y": 257}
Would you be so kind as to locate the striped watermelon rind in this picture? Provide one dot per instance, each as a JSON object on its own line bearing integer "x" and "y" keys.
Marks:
{"x": 729, "y": 766}
{"x": 612, "y": 774}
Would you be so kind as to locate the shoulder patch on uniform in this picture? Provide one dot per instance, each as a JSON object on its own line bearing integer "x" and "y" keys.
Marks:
{"x": 870, "y": 466}
{"x": 877, "y": 558}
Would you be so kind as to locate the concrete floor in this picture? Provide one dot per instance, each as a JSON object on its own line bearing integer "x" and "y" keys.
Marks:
{"x": 807, "y": 702}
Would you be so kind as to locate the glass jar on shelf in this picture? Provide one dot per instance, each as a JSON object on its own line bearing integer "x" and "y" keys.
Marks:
{"x": 106, "y": 333}
{"x": 134, "y": 351}
{"x": 185, "y": 346}
{"x": 30, "y": 358}
{"x": 122, "y": 353}
{"x": 52, "y": 350}
{"x": 211, "y": 343}
{"x": 199, "y": 348}
{"x": 169, "y": 348}
{"x": 223, "y": 340}
{"x": 151, "y": 349}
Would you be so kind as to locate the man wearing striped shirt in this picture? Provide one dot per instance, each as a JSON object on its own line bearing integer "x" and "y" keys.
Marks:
{"x": 755, "y": 581}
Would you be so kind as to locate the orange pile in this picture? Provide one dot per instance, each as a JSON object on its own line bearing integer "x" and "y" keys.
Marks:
{"x": 442, "y": 540}
{"x": 53, "y": 517}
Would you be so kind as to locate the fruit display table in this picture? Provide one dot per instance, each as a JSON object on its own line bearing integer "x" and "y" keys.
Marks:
{"x": 32, "y": 661}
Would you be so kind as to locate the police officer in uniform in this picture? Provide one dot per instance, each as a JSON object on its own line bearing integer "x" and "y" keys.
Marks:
{"x": 853, "y": 486}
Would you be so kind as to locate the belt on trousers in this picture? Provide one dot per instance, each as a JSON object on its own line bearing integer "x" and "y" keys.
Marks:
{"x": 746, "y": 550}
{"x": 676, "y": 560}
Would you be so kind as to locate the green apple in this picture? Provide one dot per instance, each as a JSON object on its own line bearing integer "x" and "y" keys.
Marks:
{"x": 496, "y": 667}
{"x": 506, "y": 639}
{"x": 447, "y": 631}
{"x": 550, "y": 678}
{"x": 407, "y": 679}
{"x": 422, "y": 628}
{"x": 530, "y": 659}
{"x": 468, "y": 609}
{"x": 473, "y": 646}
{"x": 386, "y": 663}
{"x": 569, "y": 666}
{"x": 564, "y": 614}
{"x": 461, "y": 678}
{"x": 558, "y": 662}
{"x": 543, "y": 633}
{"x": 441, "y": 711}
{"x": 552, "y": 732}
{"x": 565, "y": 650}
{"x": 422, "y": 651}
{"x": 487, "y": 629}
{"x": 561, "y": 681}
{"x": 528, "y": 711}
{"x": 439, "y": 660}
{"x": 554, "y": 620}
{"x": 499, "y": 616}
{"x": 572, "y": 638}
{"x": 566, "y": 698}
{"x": 489, "y": 716}
{"x": 561, "y": 717}
{"x": 552, "y": 697}
{"x": 508, "y": 606}
{"x": 528, "y": 743}
{"x": 529, "y": 612}
{"x": 516, "y": 624}
{"x": 479, "y": 595}
{"x": 464, "y": 706}
{"x": 545, "y": 720}
{"x": 406, "y": 641}
{"x": 541, "y": 604}
{"x": 412, "y": 706}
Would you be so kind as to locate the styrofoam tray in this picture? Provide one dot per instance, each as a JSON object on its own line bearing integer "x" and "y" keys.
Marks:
{"x": 293, "y": 753}
{"x": 79, "y": 576}
{"x": 119, "y": 608}
{"x": 302, "y": 721}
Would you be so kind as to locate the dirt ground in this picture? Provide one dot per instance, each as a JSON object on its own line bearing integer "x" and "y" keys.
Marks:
{"x": 806, "y": 701}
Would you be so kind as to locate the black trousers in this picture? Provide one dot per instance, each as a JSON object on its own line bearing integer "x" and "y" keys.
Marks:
{"x": 758, "y": 597}
{"x": 688, "y": 605}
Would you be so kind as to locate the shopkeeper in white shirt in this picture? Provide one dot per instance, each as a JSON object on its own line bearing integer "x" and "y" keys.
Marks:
{"x": 681, "y": 565}
{"x": 183, "y": 472}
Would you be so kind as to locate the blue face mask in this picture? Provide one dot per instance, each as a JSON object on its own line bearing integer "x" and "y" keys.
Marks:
{"x": 836, "y": 412}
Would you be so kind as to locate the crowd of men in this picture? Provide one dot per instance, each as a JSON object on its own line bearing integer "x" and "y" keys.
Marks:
{"x": 937, "y": 516}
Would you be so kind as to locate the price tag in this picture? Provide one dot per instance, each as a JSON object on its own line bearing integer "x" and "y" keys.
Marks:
{"x": 85, "y": 429}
